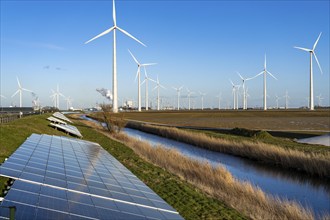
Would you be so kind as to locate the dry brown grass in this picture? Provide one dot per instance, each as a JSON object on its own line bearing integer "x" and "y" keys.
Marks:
{"x": 219, "y": 183}
{"x": 311, "y": 163}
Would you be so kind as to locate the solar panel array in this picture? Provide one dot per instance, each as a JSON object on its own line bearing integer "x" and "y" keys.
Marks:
{"x": 56, "y": 120}
{"x": 67, "y": 128}
{"x": 62, "y": 117}
{"x": 66, "y": 178}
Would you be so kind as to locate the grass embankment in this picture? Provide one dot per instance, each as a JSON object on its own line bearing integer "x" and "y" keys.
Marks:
{"x": 317, "y": 164}
{"x": 217, "y": 182}
{"x": 185, "y": 198}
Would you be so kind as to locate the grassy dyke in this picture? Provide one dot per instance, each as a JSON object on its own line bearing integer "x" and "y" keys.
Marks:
{"x": 317, "y": 164}
{"x": 219, "y": 183}
{"x": 190, "y": 202}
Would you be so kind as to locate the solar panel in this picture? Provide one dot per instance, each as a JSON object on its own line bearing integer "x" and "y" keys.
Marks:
{"x": 67, "y": 128}
{"x": 56, "y": 120}
{"x": 66, "y": 178}
{"x": 61, "y": 116}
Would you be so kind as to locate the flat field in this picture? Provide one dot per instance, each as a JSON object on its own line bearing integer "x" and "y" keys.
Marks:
{"x": 277, "y": 120}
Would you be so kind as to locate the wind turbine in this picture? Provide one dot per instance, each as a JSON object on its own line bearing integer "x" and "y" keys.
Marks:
{"x": 264, "y": 72}
{"x": 286, "y": 96}
{"x": 19, "y": 90}
{"x": 146, "y": 79}
{"x": 114, "y": 70}
{"x": 276, "y": 98}
{"x": 244, "y": 90}
{"x": 178, "y": 92}
{"x": 56, "y": 97}
{"x": 219, "y": 100}
{"x": 312, "y": 52}
{"x": 189, "y": 96}
{"x": 68, "y": 102}
{"x": 158, "y": 86}
{"x": 138, "y": 75}
{"x": 319, "y": 97}
{"x": 202, "y": 97}
{"x": 235, "y": 89}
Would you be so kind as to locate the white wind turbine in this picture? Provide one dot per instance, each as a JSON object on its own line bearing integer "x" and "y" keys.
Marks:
{"x": 114, "y": 70}
{"x": 189, "y": 96}
{"x": 146, "y": 79}
{"x": 264, "y": 72}
{"x": 19, "y": 90}
{"x": 68, "y": 102}
{"x": 138, "y": 75}
{"x": 319, "y": 97}
{"x": 276, "y": 99}
{"x": 202, "y": 97}
{"x": 178, "y": 93}
{"x": 56, "y": 97}
{"x": 244, "y": 89}
{"x": 312, "y": 52}
{"x": 286, "y": 96}
{"x": 246, "y": 97}
{"x": 219, "y": 100}
{"x": 158, "y": 86}
{"x": 235, "y": 89}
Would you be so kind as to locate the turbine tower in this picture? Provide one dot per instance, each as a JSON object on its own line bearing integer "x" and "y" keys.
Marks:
{"x": 312, "y": 52}
{"x": 189, "y": 96}
{"x": 244, "y": 89}
{"x": 277, "y": 98}
{"x": 146, "y": 79}
{"x": 235, "y": 89}
{"x": 264, "y": 72}
{"x": 114, "y": 70}
{"x": 158, "y": 86}
{"x": 178, "y": 92}
{"x": 202, "y": 97}
{"x": 319, "y": 98}
{"x": 219, "y": 100}
{"x": 19, "y": 90}
{"x": 138, "y": 75}
{"x": 286, "y": 96}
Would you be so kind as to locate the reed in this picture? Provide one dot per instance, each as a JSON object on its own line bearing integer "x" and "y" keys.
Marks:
{"x": 316, "y": 164}
{"x": 218, "y": 183}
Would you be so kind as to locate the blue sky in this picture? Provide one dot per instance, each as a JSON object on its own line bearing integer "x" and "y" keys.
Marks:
{"x": 198, "y": 44}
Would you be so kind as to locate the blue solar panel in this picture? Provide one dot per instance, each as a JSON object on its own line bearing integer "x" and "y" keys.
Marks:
{"x": 61, "y": 176}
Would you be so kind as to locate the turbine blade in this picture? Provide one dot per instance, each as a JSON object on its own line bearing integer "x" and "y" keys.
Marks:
{"x": 131, "y": 36}
{"x": 148, "y": 64}
{"x": 318, "y": 62}
{"x": 27, "y": 90}
{"x": 240, "y": 76}
{"x": 100, "y": 35}
{"x": 114, "y": 13}
{"x": 137, "y": 73}
{"x": 137, "y": 62}
{"x": 143, "y": 82}
{"x": 317, "y": 41}
{"x": 231, "y": 82}
{"x": 305, "y": 49}
{"x": 271, "y": 75}
{"x": 15, "y": 93}
{"x": 258, "y": 74}
{"x": 180, "y": 87}
{"x": 265, "y": 64}
{"x": 19, "y": 84}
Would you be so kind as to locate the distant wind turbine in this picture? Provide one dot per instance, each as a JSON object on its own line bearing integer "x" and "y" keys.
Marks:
{"x": 264, "y": 72}
{"x": 219, "y": 100}
{"x": 189, "y": 96}
{"x": 319, "y": 97}
{"x": 56, "y": 97}
{"x": 276, "y": 98}
{"x": 178, "y": 93}
{"x": 19, "y": 90}
{"x": 286, "y": 96}
{"x": 146, "y": 79}
{"x": 202, "y": 97}
{"x": 114, "y": 75}
{"x": 158, "y": 86}
{"x": 235, "y": 89}
{"x": 312, "y": 52}
{"x": 244, "y": 89}
{"x": 138, "y": 75}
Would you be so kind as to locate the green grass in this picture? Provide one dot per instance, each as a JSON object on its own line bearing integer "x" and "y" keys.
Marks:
{"x": 186, "y": 199}
{"x": 265, "y": 137}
